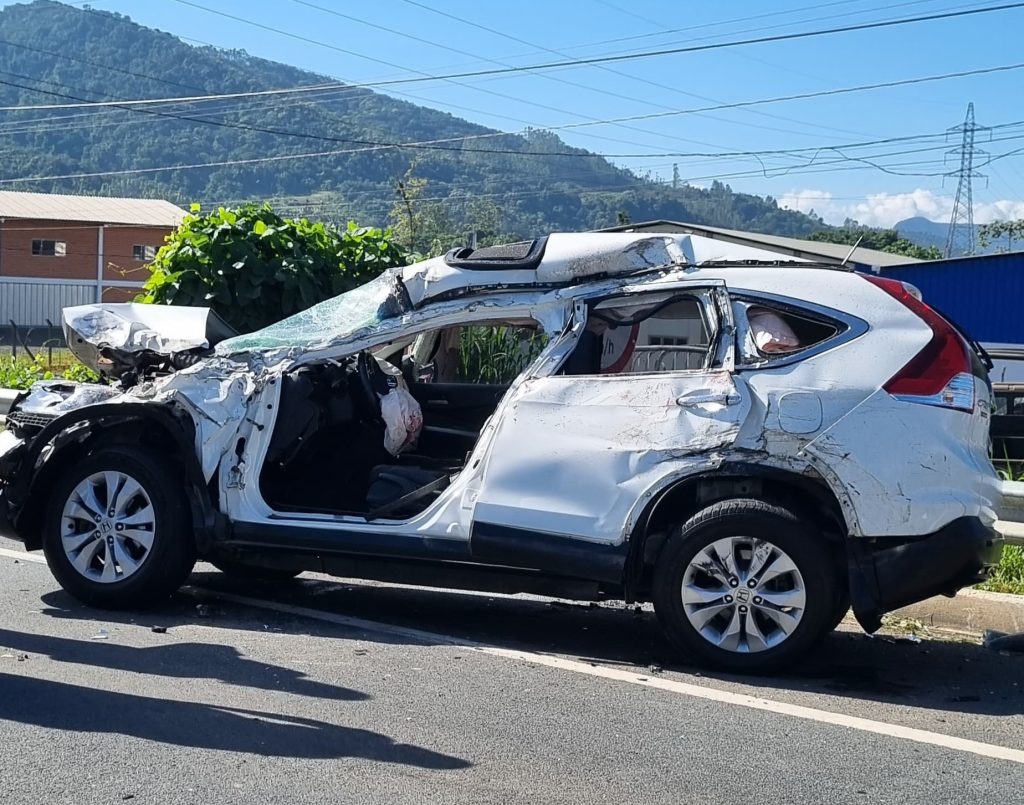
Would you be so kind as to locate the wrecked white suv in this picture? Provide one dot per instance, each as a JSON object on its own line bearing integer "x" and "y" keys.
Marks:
{"x": 750, "y": 445}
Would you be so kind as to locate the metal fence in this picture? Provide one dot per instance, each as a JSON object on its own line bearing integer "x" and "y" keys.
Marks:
{"x": 33, "y": 303}
{"x": 659, "y": 358}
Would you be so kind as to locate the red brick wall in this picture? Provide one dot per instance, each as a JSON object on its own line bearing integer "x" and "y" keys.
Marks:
{"x": 117, "y": 251}
{"x": 17, "y": 260}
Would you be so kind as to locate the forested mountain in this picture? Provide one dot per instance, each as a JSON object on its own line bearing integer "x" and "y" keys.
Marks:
{"x": 52, "y": 53}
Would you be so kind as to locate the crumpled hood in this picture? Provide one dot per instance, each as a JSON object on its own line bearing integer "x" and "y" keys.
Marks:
{"x": 103, "y": 336}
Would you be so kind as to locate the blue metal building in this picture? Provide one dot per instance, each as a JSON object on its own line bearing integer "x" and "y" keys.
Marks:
{"x": 983, "y": 294}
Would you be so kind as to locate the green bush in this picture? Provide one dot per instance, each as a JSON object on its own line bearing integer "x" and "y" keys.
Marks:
{"x": 254, "y": 267}
{"x": 80, "y": 373}
{"x": 20, "y": 373}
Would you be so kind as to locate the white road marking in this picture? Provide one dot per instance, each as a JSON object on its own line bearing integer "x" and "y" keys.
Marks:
{"x": 24, "y": 556}
{"x": 620, "y": 675}
{"x": 616, "y": 674}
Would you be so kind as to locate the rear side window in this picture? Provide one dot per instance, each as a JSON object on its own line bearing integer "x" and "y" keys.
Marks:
{"x": 770, "y": 330}
{"x": 643, "y": 334}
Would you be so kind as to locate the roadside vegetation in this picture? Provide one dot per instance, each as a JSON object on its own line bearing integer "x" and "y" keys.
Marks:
{"x": 255, "y": 267}
{"x": 1009, "y": 576}
{"x": 21, "y": 373}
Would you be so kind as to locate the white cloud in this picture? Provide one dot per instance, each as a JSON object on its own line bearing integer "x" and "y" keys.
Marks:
{"x": 886, "y": 209}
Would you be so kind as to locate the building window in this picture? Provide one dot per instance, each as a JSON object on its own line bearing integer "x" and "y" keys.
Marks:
{"x": 49, "y": 248}
{"x": 145, "y": 253}
{"x": 667, "y": 341}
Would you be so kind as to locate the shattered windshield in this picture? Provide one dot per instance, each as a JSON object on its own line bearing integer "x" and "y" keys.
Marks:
{"x": 365, "y": 308}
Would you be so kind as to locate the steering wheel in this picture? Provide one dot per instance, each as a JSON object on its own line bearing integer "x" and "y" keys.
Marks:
{"x": 374, "y": 383}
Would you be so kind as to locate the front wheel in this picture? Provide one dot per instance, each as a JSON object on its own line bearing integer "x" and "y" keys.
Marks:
{"x": 745, "y": 585}
{"x": 116, "y": 532}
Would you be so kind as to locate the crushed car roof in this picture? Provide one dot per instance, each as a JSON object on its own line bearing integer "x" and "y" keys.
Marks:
{"x": 567, "y": 258}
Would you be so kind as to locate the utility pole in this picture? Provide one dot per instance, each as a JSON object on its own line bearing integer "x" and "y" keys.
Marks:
{"x": 675, "y": 175}
{"x": 960, "y": 238}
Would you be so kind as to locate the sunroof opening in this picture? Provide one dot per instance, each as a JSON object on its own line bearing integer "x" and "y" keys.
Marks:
{"x": 525, "y": 254}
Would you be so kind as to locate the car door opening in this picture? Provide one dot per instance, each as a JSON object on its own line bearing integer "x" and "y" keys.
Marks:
{"x": 382, "y": 434}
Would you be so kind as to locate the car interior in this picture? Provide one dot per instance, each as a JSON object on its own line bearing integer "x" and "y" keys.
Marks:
{"x": 327, "y": 453}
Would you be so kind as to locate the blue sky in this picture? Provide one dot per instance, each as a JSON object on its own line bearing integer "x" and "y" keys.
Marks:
{"x": 530, "y": 32}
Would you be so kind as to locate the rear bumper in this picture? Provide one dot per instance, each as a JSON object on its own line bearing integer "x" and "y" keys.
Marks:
{"x": 885, "y": 576}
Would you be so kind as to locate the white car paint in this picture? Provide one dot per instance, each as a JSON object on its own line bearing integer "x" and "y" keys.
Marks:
{"x": 579, "y": 456}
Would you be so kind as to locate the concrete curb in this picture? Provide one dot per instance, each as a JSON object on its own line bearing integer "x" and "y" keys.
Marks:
{"x": 970, "y": 611}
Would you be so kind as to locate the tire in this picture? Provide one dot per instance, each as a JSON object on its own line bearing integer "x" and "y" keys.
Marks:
{"x": 841, "y": 608}
{"x": 240, "y": 570}
{"x": 153, "y": 511}
{"x": 766, "y": 632}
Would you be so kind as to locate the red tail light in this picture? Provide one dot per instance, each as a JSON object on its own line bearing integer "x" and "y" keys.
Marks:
{"x": 940, "y": 374}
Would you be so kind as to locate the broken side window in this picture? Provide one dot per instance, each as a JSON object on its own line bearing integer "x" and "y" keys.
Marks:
{"x": 494, "y": 354}
{"x": 643, "y": 334}
{"x": 768, "y": 331}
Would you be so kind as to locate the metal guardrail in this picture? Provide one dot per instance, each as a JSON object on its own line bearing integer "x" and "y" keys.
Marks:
{"x": 1011, "y": 526}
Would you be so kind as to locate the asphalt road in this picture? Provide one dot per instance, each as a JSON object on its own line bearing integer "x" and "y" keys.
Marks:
{"x": 335, "y": 691}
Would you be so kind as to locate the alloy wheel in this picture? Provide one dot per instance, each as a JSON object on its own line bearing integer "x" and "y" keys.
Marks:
{"x": 743, "y": 594}
{"x": 107, "y": 527}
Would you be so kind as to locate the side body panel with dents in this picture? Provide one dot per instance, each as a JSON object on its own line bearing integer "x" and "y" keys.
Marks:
{"x": 573, "y": 455}
{"x": 896, "y": 468}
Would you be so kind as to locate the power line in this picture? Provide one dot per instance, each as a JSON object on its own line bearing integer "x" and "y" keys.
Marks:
{"x": 551, "y": 65}
{"x": 737, "y": 104}
{"x": 425, "y": 75}
{"x": 377, "y": 146}
{"x": 287, "y": 157}
{"x": 557, "y": 79}
{"x": 713, "y": 46}
{"x": 691, "y": 28}
{"x": 610, "y": 70}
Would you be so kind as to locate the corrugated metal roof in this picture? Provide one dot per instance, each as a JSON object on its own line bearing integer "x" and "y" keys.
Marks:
{"x": 808, "y": 249}
{"x": 91, "y": 209}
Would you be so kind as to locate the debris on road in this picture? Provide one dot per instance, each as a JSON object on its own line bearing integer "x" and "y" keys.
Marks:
{"x": 158, "y": 629}
{"x": 18, "y": 657}
{"x": 102, "y": 634}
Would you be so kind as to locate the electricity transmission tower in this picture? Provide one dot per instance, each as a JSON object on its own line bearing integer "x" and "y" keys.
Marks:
{"x": 960, "y": 239}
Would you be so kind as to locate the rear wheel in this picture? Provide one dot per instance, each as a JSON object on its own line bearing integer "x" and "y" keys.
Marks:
{"x": 745, "y": 585}
{"x": 116, "y": 532}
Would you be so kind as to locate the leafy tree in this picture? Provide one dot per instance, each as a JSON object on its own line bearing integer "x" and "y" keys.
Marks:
{"x": 995, "y": 231}
{"x": 883, "y": 240}
{"x": 254, "y": 267}
{"x": 428, "y": 227}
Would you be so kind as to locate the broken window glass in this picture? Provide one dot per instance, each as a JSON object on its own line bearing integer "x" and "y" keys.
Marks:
{"x": 361, "y": 311}
{"x": 643, "y": 334}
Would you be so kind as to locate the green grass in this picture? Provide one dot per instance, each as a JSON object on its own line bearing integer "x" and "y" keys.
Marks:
{"x": 1009, "y": 576}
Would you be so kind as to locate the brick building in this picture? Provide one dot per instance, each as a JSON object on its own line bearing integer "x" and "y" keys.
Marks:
{"x": 58, "y": 250}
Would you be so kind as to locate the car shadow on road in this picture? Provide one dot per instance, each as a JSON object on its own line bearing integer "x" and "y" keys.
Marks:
{"x": 61, "y": 706}
{"x": 180, "y": 660}
{"x": 938, "y": 674}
